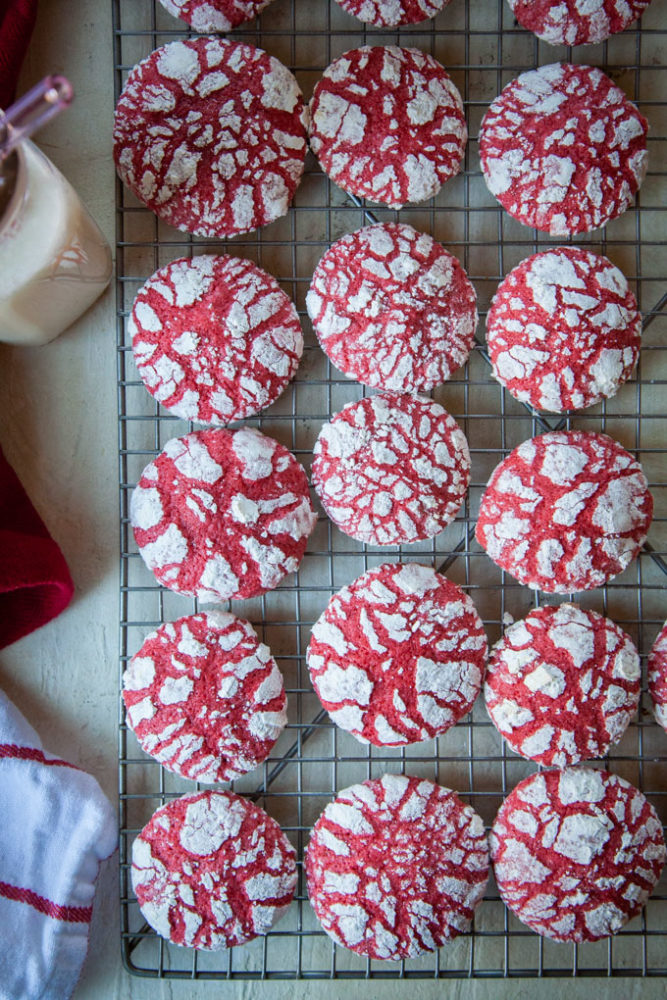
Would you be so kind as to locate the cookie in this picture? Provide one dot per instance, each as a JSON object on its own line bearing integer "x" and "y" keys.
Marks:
{"x": 210, "y": 134}
{"x": 562, "y": 685}
{"x": 576, "y": 853}
{"x": 387, "y": 124}
{"x": 392, "y": 13}
{"x": 563, "y": 330}
{"x": 570, "y": 22}
{"x": 398, "y": 656}
{"x": 565, "y": 511}
{"x": 391, "y": 469}
{"x": 563, "y": 149}
{"x": 211, "y": 870}
{"x": 392, "y": 308}
{"x": 214, "y": 15}
{"x": 396, "y": 867}
{"x": 657, "y": 677}
{"x": 205, "y": 697}
{"x": 222, "y": 514}
{"x": 215, "y": 338}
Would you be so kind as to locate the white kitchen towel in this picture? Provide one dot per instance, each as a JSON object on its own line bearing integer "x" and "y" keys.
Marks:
{"x": 56, "y": 825}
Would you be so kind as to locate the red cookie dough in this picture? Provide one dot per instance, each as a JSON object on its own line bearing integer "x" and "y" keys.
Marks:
{"x": 563, "y": 330}
{"x": 212, "y": 870}
{"x": 214, "y": 15}
{"x": 222, "y": 514}
{"x": 398, "y": 656}
{"x": 387, "y": 124}
{"x": 571, "y": 22}
{"x": 562, "y": 685}
{"x": 215, "y": 339}
{"x": 396, "y": 867}
{"x": 563, "y": 149}
{"x": 657, "y": 677}
{"x": 392, "y": 308}
{"x": 565, "y": 511}
{"x": 210, "y": 134}
{"x": 391, "y": 469}
{"x": 205, "y": 697}
{"x": 392, "y": 13}
{"x": 576, "y": 853}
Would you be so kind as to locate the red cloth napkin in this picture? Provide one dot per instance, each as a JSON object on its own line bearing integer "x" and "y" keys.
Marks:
{"x": 35, "y": 584}
{"x": 17, "y": 19}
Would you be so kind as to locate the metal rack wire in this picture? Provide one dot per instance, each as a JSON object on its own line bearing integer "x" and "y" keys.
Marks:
{"x": 482, "y": 49}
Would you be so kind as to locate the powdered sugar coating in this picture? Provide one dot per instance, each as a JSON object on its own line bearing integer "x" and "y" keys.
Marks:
{"x": 563, "y": 330}
{"x": 210, "y": 134}
{"x": 563, "y": 149}
{"x": 391, "y": 469}
{"x": 387, "y": 123}
{"x": 214, "y": 15}
{"x": 573, "y": 22}
{"x": 576, "y": 853}
{"x": 211, "y": 870}
{"x": 215, "y": 338}
{"x": 222, "y": 514}
{"x": 565, "y": 511}
{"x": 398, "y": 656}
{"x": 396, "y": 867}
{"x": 391, "y": 13}
{"x": 562, "y": 685}
{"x": 205, "y": 697}
{"x": 657, "y": 677}
{"x": 392, "y": 308}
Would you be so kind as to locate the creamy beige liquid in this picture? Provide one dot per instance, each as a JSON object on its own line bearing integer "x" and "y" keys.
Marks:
{"x": 54, "y": 261}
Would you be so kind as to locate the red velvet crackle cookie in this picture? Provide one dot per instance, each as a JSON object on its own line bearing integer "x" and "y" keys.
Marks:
{"x": 392, "y": 13}
{"x": 212, "y": 870}
{"x": 396, "y": 867}
{"x": 563, "y": 330}
{"x": 387, "y": 123}
{"x": 562, "y": 685}
{"x": 398, "y": 656}
{"x": 210, "y": 134}
{"x": 392, "y": 308}
{"x": 205, "y": 697}
{"x": 576, "y": 853}
{"x": 391, "y": 469}
{"x": 565, "y": 511}
{"x": 222, "y": 514}
{"x": 571, "y": 22}
{"x": 214, "y": 15}
{"x": 657, "y": 677}
{"x": 563, "y": 149}
{"x": 215, "y": 338}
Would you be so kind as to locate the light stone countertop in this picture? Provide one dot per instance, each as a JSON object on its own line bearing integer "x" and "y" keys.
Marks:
{"x": 58, "y": 429}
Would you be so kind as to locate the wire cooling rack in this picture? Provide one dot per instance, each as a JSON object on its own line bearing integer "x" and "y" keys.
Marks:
{"x": 479, "y": 43}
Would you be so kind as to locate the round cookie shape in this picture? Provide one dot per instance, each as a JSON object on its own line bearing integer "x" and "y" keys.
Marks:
{"x": 215, "y": 338}
{"x": 576, "y": 853}
{"x": 657, "y": 677}
{"x": 391, "y": 469}
{"x": 222, "y": 514}
{"x": 212, "y": 870}
{"x": 214, "y": 15}
{"x": 387, "y": 124}
{"x": 569, "y": 22}
{"x": 565, "y": 511}
{"x": 392, "y": 308}
{"x": 562, "y": 685}
{"x": 205, "y": 697}
{"x": 398, "y": 656}
{"x": 210, "y": 134}
{"x": 563, "y": 149}
{"x": 563, "y": 330}
{"x": 392, "y": 13}
{"x": 396, "y": 867}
